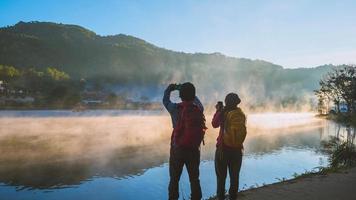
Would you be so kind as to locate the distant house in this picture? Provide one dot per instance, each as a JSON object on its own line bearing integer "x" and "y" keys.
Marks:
{"x": 2, "y": 86}
{"x": 21, "y": 100}
{"x": 26, "y": 99}
{"x": 324, "y": 107}
{"x": 343, "y": 107}
{"x": 93, "y": 98}
{"x": 92, "y": 102}
{"x": 13, "y": 96}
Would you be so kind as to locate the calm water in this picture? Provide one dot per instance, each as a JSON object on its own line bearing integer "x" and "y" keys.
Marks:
{"x": 124, "y": 154}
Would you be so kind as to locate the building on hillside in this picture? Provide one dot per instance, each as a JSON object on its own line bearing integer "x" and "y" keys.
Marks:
{"x": 16, "y": 100}
{"x": 2, "y": 87}
{"x": 343, "y": 107}
{"x": 325, "y": 107}
{"x": 93, "y": 98}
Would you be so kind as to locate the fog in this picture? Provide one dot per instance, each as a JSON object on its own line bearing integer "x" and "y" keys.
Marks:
{"x": 73, "y": 149}
{"x": 80, "y": 137}
{"x": 262, "y": 86}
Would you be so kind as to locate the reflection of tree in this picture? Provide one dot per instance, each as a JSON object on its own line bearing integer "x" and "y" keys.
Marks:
{"x": 341, "y": 147}
{"x": 338, "y": 131}
{"x": 350, "y": 134}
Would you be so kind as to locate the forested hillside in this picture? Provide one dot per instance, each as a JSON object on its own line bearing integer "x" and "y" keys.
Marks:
{"x": 122, "y": 61}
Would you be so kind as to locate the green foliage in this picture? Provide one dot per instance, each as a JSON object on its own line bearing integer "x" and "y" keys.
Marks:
{"x": 339, "y": 86}
{"x": 342, "y": 152}
{"x": 344, "y": 155}
{"x": 51, "y": 87}
{"x": 123, "y": 59}
{"x": 8, "y": 72}
{"x": 55, "y": 74}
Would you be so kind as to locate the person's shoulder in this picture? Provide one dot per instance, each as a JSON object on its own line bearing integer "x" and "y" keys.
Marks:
{"x": 241, "y": 111}
{"x": 236, "y": 112}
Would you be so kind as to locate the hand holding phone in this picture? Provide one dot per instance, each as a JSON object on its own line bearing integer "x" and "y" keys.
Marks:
{"x": 219, "y": 106}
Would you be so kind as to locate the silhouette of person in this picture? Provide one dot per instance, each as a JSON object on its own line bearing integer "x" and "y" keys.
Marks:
{"x": 228, "y": 155}
{"x": 188, "y": 121}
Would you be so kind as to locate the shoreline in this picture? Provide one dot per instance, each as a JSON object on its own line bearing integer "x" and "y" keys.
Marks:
{"x": 342, "y": 118}
{"x": 333, "y": 182}
{"x": 332, "y": 185}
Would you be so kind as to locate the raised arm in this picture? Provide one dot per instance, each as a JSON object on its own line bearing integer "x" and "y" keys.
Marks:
{"x": 168, "y": 104}
{"x": 216, "y": 122}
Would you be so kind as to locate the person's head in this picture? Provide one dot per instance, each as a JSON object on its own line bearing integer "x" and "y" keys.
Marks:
{"x": 232, "y": 100}
{"x": 187, "y": 92}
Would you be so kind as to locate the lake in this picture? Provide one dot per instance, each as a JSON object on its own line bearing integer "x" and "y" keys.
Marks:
{"x": 107, "y": 154}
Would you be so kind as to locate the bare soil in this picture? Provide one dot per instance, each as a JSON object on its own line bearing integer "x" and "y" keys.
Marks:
{"x": 334, "y": 186}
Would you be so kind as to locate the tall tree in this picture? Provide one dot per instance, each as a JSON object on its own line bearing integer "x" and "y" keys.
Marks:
{"x": 339, "y": 86}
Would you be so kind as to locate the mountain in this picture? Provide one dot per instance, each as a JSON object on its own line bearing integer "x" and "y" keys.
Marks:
{"x": 123, "y": 61}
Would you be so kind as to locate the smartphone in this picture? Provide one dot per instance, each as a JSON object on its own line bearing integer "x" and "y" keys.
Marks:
{"x": 220, "y": 105}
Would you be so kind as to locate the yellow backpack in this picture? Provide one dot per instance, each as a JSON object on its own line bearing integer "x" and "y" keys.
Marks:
{"x": 234, "y": 128}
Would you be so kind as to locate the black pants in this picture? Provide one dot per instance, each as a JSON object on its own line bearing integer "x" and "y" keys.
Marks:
{"x": 191, "y": 159}
{"x": 227, "y": 159}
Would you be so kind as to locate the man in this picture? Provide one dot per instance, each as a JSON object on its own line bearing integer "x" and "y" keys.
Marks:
{"x": 228, "y": 156}
{"x": 188, "y": 132}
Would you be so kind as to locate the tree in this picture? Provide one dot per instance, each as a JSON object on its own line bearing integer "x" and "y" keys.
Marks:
{"x": 49, "y": 87}
{"x": 55, "y": 74}
{"x": 339, "y": 86}
{"x": 8, "y": 72}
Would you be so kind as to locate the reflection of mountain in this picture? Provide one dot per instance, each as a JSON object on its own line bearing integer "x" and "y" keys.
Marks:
{"x": 131, "y": 62}
{"x": 48, "y": 155}
{"x": 63, "y": 151}
{"x": 66, "y": 173}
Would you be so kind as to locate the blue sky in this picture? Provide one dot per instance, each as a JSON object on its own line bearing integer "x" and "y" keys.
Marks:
{"x": 299, "y": 33}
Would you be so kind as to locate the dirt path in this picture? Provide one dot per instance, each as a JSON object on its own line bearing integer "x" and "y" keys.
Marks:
{"x": 334, "y": 186}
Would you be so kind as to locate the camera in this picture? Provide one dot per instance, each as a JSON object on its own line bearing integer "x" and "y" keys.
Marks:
{"x": 219, "y": 105}
{"x": 177, "y": 86}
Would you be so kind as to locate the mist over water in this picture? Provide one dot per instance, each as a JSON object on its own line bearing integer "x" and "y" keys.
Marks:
{"x": 117, "y": 152}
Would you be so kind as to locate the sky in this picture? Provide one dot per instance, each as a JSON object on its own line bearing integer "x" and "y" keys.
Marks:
{"x": 291, "y": 33}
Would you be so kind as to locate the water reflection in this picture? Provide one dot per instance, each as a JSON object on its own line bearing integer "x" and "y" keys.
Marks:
{"x": 59, "y": 152}
{"x": 55, "y": 152}
{"x": 351, "y": 133}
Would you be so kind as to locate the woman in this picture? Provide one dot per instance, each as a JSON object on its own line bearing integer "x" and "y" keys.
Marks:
{"x": 228, "y": 156}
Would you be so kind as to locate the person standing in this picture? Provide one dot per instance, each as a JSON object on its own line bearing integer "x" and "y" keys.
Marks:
{"x": 188, "y": 132}
{"x": 228, "y": 155}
